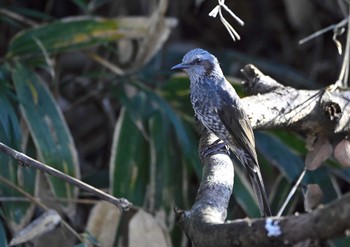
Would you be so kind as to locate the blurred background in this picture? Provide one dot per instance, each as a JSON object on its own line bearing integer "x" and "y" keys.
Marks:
{"x": 86, "y": 87}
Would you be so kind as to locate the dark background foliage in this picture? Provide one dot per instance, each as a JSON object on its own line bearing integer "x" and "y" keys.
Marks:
{"x": 151, "y": 159}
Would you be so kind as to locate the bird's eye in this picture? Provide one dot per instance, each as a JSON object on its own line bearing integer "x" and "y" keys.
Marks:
{"x": 197, "y": 61}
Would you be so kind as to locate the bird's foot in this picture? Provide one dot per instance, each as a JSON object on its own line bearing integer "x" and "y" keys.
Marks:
{"x": 216, "y": 147}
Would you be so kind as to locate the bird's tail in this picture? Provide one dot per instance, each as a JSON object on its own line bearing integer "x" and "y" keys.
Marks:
{"x": 259, "y": 189}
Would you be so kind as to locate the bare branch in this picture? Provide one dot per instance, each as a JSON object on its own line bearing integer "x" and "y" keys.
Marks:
{"x": 275, "y": 106}
{"x": 322, "y": 224}
{"x": 23, "y": 159}
{"x": 205, "y": 222}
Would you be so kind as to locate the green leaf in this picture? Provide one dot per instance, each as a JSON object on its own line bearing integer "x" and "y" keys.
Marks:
{"x": 3, "y": 239}
{"x": 49, "y": 131}
{"x": 17, "y": 213}
{"x": 167, "y": 166}
{"x": 177, "y": 94}
{"x": 31, "y": 13}
{"x": 185, "y": 137}
{"x": 292, "y": 140}
{"x": 8, "y": 115}
{"x": 341, "y": 242}
{"x": 76, "y": 33}
{"x": 129, "y": 160}
{"x": 343, "y": 173}
{"x": 290, "y": 163}
{"x": 279, "y": 155}
{"x": 82, "y": 5}
{"x": 160, "y": 165}
{"x": 325, "y": 180}
{"x": 279, "y": 192}
{"x": 243, "y": 193}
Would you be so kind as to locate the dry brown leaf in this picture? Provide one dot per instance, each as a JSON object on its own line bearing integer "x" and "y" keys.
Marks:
{"x": 103, "y": 223}
{"x": 312, "y": 197}
{"x": 342, "y": 152}
{"x": 145, "y": 231}
{"x": 43, "y": 224}
{"x": 158, "y": 32}
{"x": 320, "y": 151}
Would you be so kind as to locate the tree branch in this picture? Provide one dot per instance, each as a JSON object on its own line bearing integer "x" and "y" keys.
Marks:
{"x": 122, "y": 203}
{"x": 275, "y": 106}
{"x": 204, "y": 223}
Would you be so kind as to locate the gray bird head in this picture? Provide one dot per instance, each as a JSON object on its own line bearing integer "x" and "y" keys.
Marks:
{"x": 199, "y": 63}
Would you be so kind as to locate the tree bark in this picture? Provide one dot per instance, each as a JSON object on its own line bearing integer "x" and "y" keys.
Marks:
{"x": 205, "y": 223}
{"x": 322, "y": 112}
{"x": 274, "y": 106}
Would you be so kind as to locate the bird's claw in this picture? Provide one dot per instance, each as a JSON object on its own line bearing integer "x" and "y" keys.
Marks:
{"x": 216, "y": 147}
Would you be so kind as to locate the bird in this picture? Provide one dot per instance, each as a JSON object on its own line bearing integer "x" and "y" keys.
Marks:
{"x": 218, "y": 107}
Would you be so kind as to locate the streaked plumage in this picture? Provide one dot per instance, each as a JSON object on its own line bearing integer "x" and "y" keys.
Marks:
{"x": 218, "y": 107}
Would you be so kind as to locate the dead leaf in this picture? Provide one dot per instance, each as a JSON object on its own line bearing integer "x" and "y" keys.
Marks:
{"x": 312, "y": 197}
{"x": 43, "y": 224}
{"x": 342, "y": 152}
{"x": 320, "y": 151}
{"x": 145, "y": 231}
{"x": 103, "y": 223}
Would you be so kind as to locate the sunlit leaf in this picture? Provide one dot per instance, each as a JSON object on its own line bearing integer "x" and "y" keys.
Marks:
{"x": 75, "y": 33}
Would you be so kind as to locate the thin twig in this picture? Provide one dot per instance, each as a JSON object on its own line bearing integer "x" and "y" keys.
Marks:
{"x": 217, "y": 10}
{"x": 344, "y": 73}
{"x": 112, "y": 67}
{"x": 324, "y": 30}
{"x": 18, "y": 17}
{"x": 121, "y": 203}
{"x": 291, "y": 193}
{"x": 24, "y": 199}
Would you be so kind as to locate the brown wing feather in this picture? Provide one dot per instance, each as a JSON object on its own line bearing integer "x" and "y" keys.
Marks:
{"x": 238, "y": 125}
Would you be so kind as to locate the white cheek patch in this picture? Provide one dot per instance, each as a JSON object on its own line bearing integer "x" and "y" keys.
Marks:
{"x": 196, "y": 73}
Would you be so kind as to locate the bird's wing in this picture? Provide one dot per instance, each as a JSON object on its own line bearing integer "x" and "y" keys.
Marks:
{"x": 237, "y": 124}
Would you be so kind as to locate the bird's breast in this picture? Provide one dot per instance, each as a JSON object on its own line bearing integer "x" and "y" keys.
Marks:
{"x": 205, "y": 104}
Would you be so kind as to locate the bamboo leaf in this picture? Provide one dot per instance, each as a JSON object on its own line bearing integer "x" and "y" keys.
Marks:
{"x": 279, "y": 155}
{"x": 160, "y": 163}
{"x": 16, "y": 213}
{"x": 75, "y": 33}
{"x": 185, "y": 137}
{"x": 129, "y": 160}
{"x": 243, "y": 193}
{"x": 165, "y": 169}
{"x": 3, "y": 239}
{"x": 48, "y": 130}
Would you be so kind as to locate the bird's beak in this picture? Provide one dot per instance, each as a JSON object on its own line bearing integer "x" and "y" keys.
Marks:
{"x": 180, "y": 66}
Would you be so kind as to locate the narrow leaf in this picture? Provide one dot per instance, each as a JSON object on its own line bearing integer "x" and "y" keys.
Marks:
{"x": 16, "y": 213}
{"x": 48, "y": 130}
{"x": 76, "y": 33}
{"x": 129, "y": 160}
{"x": 243, "y": 193}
